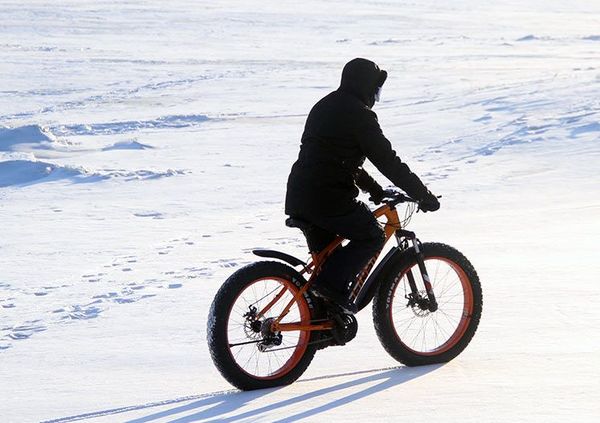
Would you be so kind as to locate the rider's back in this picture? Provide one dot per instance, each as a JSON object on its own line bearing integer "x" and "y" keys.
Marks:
{"x": 322, "y": 179}
{"x": 340, "y": 132}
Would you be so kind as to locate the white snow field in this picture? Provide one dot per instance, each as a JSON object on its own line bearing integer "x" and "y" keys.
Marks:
{"x": 144, "y": 151}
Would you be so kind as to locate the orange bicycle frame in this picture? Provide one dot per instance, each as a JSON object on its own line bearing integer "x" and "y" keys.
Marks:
{"x": 391, "y": 225}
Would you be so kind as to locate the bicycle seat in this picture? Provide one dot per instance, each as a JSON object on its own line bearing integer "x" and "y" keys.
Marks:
{"x": 294, "y": 222}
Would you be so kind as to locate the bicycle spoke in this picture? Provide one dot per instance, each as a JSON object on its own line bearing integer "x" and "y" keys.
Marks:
{"x": 244, "y": 341}
{"x": 418, "y": 328}
{"x": 265, "y": 296}
{"x": 442, "y": 330}
{"x": 446, "y": 289}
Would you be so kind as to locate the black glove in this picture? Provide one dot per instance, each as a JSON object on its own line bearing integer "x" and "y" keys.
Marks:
{"x": 380, "y": 194}
{"x": 429, "y": 202}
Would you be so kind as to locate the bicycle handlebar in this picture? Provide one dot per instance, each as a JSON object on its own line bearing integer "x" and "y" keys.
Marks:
{"x": 393, "y": 198}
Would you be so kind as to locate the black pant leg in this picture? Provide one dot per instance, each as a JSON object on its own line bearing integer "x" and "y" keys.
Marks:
{"x": 318, "y": 238}
{"x": 366, "y": 238}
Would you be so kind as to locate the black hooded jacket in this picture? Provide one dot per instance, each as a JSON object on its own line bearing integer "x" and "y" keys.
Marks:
{"x": 340, "y": 132}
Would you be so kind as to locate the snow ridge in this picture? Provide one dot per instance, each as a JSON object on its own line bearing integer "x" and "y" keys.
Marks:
{"x": 121, "y": 127}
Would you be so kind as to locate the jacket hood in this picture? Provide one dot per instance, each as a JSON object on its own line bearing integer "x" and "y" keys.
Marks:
{"x": 362, "y": 77}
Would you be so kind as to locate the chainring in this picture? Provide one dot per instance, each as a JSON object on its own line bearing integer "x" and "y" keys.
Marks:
{"x": 345, "y": 329}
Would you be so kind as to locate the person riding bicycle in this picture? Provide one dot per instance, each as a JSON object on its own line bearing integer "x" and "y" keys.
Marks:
{"x": 340, "y": 132}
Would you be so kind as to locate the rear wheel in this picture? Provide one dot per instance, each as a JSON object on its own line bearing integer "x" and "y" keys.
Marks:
{"x": 242, "y": 345}
{"x": 407, "y": 329}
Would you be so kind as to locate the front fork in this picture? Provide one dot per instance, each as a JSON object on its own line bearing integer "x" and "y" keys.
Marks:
{"x": 432, "y": 303}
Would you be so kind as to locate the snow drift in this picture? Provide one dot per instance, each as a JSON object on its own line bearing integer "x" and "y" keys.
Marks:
{"x": 25, "y": 172}
{"x": 27, "y": 137}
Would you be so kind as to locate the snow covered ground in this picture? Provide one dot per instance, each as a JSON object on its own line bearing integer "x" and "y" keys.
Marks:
{"x": 144, "y": 149}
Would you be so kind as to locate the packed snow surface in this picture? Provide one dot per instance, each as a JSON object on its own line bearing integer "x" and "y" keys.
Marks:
{"x": 144, "y": 151}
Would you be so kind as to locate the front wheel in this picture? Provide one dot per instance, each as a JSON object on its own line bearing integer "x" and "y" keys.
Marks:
{"x": 407, "y": 329}
{"x": 242, "y": 345}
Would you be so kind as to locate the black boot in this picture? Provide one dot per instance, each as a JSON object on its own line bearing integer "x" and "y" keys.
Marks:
{"x": 339, "y": 298}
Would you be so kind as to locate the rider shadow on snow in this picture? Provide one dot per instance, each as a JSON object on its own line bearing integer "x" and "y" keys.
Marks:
{"x": 226, "y": 403}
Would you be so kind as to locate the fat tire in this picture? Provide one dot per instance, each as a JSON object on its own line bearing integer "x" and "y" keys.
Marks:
{"x": 381, "y": 304}
{"x": 218, "y": 321}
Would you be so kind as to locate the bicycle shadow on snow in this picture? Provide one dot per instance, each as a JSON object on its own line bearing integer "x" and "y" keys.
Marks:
{"x": 215, "y": 406}
{"x": 231, "y": 401}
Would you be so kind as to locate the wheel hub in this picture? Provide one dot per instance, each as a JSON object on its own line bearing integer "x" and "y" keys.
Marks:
{"x": 252, "y": 326}
{"x": 255, "y": 329}
{"x": 266, "y": 327}
{"x": 270, "y": 338}
{"x": 419, "y": 303}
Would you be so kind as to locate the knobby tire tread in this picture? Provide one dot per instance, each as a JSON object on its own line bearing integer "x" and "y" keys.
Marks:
{"x": 384, "y": 327}
{"x": 217, "y": 325}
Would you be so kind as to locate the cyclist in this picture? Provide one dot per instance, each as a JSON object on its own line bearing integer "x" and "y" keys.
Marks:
{"x": 340, "y": 132}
